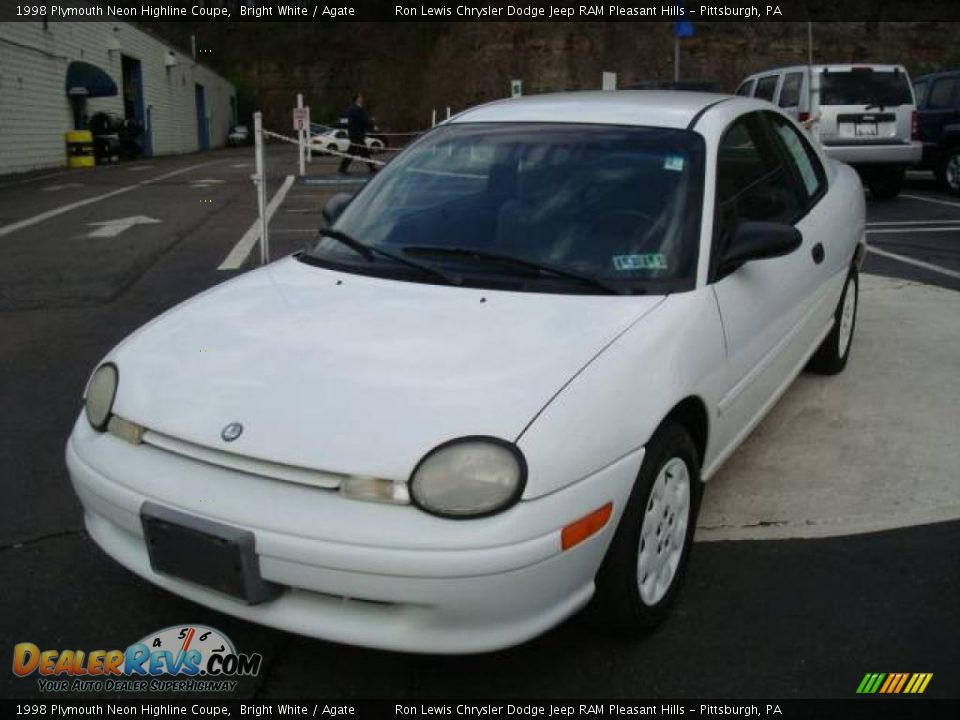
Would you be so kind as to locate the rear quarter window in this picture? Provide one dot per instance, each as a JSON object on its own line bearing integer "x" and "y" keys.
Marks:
{"x": 746, "y": 88}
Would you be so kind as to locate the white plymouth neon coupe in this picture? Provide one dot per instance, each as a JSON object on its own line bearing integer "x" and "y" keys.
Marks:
{"x": 490, "y": 394}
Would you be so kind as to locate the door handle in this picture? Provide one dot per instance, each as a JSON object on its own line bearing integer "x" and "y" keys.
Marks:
{"x": 817, "y": 253}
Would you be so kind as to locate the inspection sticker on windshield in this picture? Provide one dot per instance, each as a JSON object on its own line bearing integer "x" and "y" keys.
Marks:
{"x": 648, "y": 261}
{"x": 673, "y": 162}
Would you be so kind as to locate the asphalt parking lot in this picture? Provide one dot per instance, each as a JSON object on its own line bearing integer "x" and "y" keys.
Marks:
{"x": 772, "y": 608}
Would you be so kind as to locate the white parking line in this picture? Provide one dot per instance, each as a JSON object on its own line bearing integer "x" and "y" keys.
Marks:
{"x": 931, "y": 200}
{"x": 19, "y": 225}
{"x": 912, "y": 261}
{"x": 914, "y": 222}
{"x": 244, "y": 245}
{"x": 895, "y": 231}
{"x": 36, "y": 178}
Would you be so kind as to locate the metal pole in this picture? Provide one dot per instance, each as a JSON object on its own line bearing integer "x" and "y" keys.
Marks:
{"x": 260, "y": 180}
{"x": 433, "y": 118}
{"x": 302, "y": 154}
{"x": 676, "y": 59}
{"x": 448, "y": 112}
{"x": 810, "y": 69}
{"x": 309, "y": 134}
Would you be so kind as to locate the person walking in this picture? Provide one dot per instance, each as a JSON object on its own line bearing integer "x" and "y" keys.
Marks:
{"x": 358, "y": 125}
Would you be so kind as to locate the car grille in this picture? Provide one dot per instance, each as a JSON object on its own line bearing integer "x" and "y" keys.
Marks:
{"x": 242, "y": 463}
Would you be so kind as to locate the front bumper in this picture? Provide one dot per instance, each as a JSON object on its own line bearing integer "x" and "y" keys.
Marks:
{"x": 361, "y": 573}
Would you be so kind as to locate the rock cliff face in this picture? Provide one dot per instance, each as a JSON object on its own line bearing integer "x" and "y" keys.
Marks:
{"x": 406, "y": 69}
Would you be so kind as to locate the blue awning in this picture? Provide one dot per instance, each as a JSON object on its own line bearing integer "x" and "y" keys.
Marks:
{"x": 84, "y": 76}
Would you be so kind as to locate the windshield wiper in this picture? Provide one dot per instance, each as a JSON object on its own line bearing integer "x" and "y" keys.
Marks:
{"x": 370, "y": 251}
{"x": 512, "y": 260}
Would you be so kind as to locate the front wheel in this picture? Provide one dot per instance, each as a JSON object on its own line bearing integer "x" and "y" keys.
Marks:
{"x": 831, "y": 357}
{"x": 643, "y": 570}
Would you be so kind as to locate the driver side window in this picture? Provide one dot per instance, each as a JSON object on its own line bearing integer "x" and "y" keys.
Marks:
{"x": 753, "y": 183}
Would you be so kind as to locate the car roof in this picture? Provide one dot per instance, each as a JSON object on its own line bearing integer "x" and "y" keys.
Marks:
{"x": 937, "y": 75}
{"x": 654, "y": 108}
{"x": 817, "y": 67}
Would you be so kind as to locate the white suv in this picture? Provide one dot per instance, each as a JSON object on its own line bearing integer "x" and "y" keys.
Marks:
{"x": 864, "y": 115}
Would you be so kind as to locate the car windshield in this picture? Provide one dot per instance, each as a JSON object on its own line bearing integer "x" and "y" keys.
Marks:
{"x": 583, "y": 206}
{"x": 864, "y": 86}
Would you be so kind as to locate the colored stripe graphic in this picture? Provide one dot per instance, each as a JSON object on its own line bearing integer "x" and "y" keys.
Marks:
{"x": 894, "y": 683}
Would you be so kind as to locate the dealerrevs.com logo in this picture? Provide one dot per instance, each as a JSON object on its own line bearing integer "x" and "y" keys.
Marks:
{"x": 182, "y": 658}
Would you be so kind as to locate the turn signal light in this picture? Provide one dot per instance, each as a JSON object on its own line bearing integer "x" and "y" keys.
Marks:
{"x": 914, "y": 126}
{"x": 803, "y": 116}
{"x": 579, "y": 530}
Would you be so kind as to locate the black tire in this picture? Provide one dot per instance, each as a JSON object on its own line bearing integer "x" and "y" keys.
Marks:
{"x": 830, "y": 358}
{"x": 618, "y": 605}
{"x": 886, "y": 185}
{"x": 948, "y": 172}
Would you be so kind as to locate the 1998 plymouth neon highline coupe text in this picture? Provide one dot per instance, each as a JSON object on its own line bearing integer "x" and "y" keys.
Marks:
{"x": 490, "y": 393}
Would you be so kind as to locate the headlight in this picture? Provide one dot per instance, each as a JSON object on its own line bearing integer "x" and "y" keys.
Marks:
{"x": 100, "y": 393}
{"x": 469, "y": 477}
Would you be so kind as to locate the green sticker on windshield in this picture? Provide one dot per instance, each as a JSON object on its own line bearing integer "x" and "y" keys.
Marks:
{"x": 673, "y": 162}
{"x": 647, "y": 261}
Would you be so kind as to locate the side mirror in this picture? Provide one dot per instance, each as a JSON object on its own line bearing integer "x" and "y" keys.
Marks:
{"x": 753, "y": 240}
{"x": 335, "y": 206}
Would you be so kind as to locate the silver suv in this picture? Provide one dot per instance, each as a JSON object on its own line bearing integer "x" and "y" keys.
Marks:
{"x": 864, "y": 115}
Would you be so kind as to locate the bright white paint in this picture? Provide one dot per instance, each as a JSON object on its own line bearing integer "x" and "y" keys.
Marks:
{"x": 28, "y": 222}
{"x": 238, "y": 255}
{"x": 112, "y": 228}
{"x": 355, "y": 375}
{"x": 837, "y": 457}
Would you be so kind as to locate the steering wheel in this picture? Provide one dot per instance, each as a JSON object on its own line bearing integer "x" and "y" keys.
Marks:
{"x": 623, "y": 224}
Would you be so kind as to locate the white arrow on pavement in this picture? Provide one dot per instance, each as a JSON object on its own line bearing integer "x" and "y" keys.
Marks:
{"x": 207, "y": 181}
{"x": 112, "y": 228}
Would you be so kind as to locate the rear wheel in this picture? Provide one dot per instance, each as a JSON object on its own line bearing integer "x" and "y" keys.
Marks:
{"x": 949, "y": 171}
{"x": 643, "y": 570}
{"x": 886, "y": 184}
{"x": 831, "y": 356}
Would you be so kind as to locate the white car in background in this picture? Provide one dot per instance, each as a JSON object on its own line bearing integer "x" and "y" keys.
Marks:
{"x": 339, "y": 141}
{"x": 864, "y": 115}
{"x": 491, "y": 392}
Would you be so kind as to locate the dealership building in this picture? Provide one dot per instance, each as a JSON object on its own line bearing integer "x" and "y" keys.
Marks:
{"x": 55, "y": 76}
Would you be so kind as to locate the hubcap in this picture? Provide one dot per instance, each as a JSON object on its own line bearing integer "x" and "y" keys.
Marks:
{"x": 953, "y": 172}
{"x": 664, "y": 531}
{"x": 846, "y": 317}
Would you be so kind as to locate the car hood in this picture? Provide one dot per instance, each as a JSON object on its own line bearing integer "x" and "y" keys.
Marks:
{"x": 356, "y": 374}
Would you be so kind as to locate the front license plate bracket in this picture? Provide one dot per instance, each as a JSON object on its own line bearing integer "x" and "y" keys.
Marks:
{"x": 217, "y": 556}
